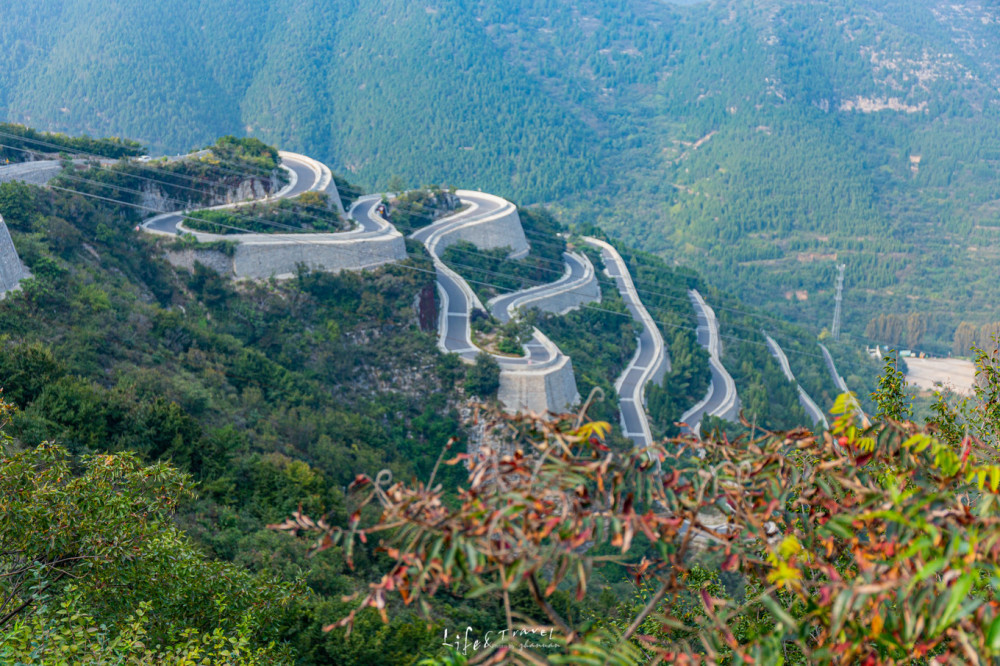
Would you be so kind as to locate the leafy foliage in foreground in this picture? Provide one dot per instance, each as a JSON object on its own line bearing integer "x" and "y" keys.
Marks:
{"x": 875, "y": 543}
{"x": 72, "y": 541}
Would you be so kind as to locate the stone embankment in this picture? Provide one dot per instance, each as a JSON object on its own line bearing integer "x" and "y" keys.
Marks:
{"x": 12, "y": 270}
{"x": 498, "y": 228}
{"x": 549, "y": 386}
{"x": 33, "y": 173}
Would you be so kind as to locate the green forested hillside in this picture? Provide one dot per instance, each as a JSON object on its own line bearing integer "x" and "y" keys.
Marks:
{"x": 154, "y": 421}
{"x": 768, "y": 140}
{"x": 268, "y": 396}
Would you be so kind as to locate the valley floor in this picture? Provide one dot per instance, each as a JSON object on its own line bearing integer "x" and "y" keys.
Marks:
{"x": 929, "y": 374}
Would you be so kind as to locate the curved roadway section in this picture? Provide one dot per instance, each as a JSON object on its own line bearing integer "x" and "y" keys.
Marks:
{"x": 837, "y": 379}
{"x": 808, "y": 404}
{"x": 650, "y": 361}
{"x": 721, "y": 399}
{"x": 373, "y": 242}
{"x": 543, "y": 378}
{"x": 577, "y": 286}
{"x": 304, "y": 175}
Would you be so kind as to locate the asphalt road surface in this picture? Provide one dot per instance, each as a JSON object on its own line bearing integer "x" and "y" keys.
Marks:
{"x": 577, "y": 270}
{"x": 720, "y": 400}
{"x": 458, "y": 301}
{"x": 307, "y": 180}
{"x": 648, "y": 363}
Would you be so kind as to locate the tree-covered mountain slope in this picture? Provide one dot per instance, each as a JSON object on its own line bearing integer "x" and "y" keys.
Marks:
{"x": 768, "y": 139}
{"x": 118, "y": 369}
{"x": 382, "y": 88}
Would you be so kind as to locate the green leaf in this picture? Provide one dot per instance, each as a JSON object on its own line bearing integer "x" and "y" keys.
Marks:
{"x": 930, "y": 569}
{"x": 840, "y": 526}
{"x": 958, "y": 592}
{"x": 780, "y": 614}
{"x": 837, "y": 614}
{"x": 993, "y": 635}
{"x": 480, "y": 591}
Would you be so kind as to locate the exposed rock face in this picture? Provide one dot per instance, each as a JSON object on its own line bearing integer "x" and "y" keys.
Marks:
{"x": 12, "y": 271}
{"x": 484, "y": 433}
{"x": 214, "y": 259}
{"x": 427, "y": 312}
{"x": 254, "y": 188}
{"x": 154, "y": 199}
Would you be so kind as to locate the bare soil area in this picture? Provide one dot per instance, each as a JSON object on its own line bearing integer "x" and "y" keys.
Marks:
{"x": 930, "y": 374}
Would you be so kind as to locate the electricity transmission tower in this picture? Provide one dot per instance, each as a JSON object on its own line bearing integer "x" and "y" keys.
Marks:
{"x": 838, "y": 298}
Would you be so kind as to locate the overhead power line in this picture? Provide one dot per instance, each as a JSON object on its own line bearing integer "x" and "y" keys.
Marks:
{"x": 222, "y": 166}
{"x": 659, "y": 322}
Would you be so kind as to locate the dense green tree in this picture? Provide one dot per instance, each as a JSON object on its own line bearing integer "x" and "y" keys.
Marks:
{"x": 482, "y": 379}
{"x": 75, "y": 534}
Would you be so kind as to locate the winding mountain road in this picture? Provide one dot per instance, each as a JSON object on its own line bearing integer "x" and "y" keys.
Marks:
{"x": 838, "y": 380}
{"x": 577, "y": 286}
{"x": 650, "y": 361}
{"x": 457, "y": 298}
{"x": 721, "y": 399}
{"x": 305, "y": 175}
{"x": 808, "y": 404}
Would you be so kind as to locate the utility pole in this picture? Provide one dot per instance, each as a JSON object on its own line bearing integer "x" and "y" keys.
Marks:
{"x": 838, "y": 298}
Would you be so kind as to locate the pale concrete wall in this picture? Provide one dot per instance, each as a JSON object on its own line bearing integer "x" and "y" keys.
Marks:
{"x": 12, "y": 270}
{"x": 501, "y": 229}
{"x": 281, "y": 259}
{"x": 263, "y": 260}
{"x": 548, "y": 389}
{"x": 33, "y": 173}
{"x": 561, "y": 303}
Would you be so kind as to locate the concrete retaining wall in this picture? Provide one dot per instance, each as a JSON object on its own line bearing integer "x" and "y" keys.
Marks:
{"x": 552, "y": 388}
{"x": 280, "y": 256}
{"x": 12, "y": 271}
{"x": 500, "y": 229}
{"x": 261, "y": 260}
{"x": 263, "y": 256}
{"x": 33, "y": 173}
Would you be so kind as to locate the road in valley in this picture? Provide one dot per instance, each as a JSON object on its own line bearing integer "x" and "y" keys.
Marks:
{"x": 650, "y": 361}
{"x": 808, "y": 404}
{"x": 721, "y": 399}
